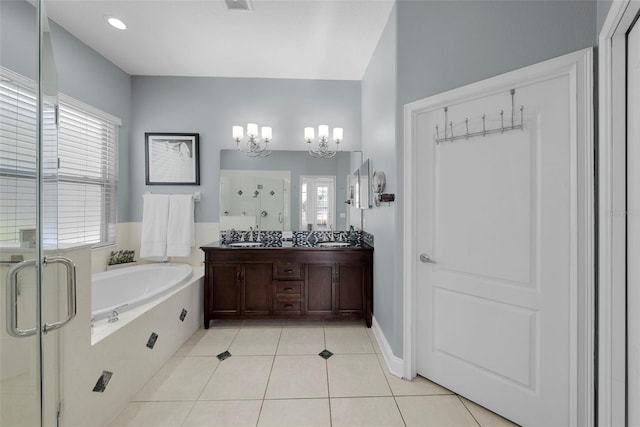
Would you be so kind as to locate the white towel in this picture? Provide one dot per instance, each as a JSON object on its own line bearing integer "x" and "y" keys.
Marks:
{"x": 155, "y": 213}
{"x": 180, "y": 229}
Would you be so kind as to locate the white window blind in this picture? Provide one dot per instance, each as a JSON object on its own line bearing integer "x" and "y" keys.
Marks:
{"x": 83, "y": 191}
{"x": 87, "y": 176}
{"x": 18, "y": 128}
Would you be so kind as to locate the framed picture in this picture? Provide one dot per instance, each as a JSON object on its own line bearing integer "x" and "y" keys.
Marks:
{"x": 172, "y": 158}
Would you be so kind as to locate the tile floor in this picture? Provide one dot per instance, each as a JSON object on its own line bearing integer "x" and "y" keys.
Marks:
{"x": 275, "y": 377}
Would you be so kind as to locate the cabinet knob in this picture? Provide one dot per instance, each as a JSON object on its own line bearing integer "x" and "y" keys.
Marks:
{"x": 288, "y": 271}
{"x": 288, "y": 289}
{"x": 288, "y": 306}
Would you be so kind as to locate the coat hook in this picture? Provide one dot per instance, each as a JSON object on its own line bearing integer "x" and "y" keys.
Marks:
{"x": 521, "y": 117}
{"x": 501, "y": 121}
{"x": 451, "y": 126}
{"x": 466, "y": 123}
{"x": 437, "y": 135}
{"x": 512, "y": 92}
{"x": 446, "y": 109}
{"x": 484, "y": 128}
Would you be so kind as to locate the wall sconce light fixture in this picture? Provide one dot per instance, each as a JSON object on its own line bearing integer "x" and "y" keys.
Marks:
{"x": 323, "y": 151}
{"x": 253, "y": 147}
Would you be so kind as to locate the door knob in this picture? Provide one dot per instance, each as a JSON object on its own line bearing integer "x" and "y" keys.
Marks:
{"x": 425, "y": 258}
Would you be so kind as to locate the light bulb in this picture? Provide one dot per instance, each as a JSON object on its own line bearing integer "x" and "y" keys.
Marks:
{"x": 266, "y": 133}
{"x": 323, "y": 131}
{"x": 309, "y": 134}
{"x": 252, "y": 130}
{"x": 337, "y": 134}
{"x": 238, "y": 133}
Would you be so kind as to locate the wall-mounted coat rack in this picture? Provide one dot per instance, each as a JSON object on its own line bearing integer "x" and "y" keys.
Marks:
{"x": 502, "y": 129}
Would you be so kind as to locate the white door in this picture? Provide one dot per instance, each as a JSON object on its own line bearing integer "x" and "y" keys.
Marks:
{"x": 633, "y": 224}
{"x": 497, "y": 217}
{"x": 317, "y": 202}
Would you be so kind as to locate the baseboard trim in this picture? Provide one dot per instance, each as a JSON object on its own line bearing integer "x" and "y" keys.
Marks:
{"x": 394, "y": 363}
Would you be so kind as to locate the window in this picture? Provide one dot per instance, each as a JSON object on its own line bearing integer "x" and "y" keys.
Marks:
{"x": 79, "y": 189}
{"x": 317, "y": 201}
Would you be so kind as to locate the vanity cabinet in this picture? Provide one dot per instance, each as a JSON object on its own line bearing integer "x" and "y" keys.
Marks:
{"x": 237, "y": 289}
{"x": 308, "y": 283}
{"x": 222, "y": 293}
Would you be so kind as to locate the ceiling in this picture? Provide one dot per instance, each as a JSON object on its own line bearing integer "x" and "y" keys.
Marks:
{"x": 300, "y": 39}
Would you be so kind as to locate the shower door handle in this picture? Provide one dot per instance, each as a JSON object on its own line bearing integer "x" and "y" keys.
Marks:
{"x": 71, "y": 291}
{"x": 12, "y": 300}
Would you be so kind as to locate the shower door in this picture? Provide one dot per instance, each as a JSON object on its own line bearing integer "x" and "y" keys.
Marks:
{"x": 37, "y": 287}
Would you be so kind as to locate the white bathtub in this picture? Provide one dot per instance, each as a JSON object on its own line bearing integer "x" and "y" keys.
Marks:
{"x": 130, "y": 287}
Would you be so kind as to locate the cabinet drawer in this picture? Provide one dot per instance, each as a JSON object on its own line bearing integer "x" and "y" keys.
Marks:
{"x": 287, "y": 270}
{"x": 287, "y": 288}
{"x": 287, "y": 306}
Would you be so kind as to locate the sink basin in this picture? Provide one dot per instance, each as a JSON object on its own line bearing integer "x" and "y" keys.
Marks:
{"x": 245, "y": 244}
{"x": 333, "y": 244}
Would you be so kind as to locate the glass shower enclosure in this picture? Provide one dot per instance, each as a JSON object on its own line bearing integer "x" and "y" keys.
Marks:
{"x": 37, "y": 285}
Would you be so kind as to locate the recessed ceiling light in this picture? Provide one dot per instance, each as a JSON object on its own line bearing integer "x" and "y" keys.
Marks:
{"x": 116, "y": 23}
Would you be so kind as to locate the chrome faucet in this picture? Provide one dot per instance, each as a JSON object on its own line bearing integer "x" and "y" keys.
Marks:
{"x": 113, "y": 317}
{"x": 332, "y": 238}
{"x": 251, "y": 234}
{"x": 257, "y": 233}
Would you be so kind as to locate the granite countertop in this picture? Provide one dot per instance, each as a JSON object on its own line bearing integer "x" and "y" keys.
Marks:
{"x": 285, "y": 245}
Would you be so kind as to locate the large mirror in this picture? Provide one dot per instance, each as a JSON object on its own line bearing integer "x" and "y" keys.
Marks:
{"x": 289, "y": 190}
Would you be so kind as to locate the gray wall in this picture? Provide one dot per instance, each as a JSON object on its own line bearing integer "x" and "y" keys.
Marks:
{"x": 82, "y": 74}
{"x": 379, "y": 86}
{"x": 210, "y": 106}
{"x": 298, "y": 163}
{"x": 603, "y": 7}
{"x": 442, "y": 45}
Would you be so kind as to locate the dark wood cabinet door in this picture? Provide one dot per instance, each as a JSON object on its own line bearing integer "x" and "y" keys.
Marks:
{"x": 320, "y": 288}
{"x": 257, "y": 288}
{"x": 224, "y": 287}
{"x": 350, "y": 289}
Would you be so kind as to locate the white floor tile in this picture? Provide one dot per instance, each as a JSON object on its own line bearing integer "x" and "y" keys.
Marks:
{"x": 276, "y": 378}
{"x": 348, "y": 340}
{"x": 256, "y": 341}
{"x": 303, "y": 323}
{"x": 226, "y": 323}
{"x": 485, "y": 417}
{"x": 365, "y": 412}
{"x": 295, "y": 413}
{"x": 356, "y": 375}
{"x": 434, "y": 411}
{"x": 181, "y": 378}
{"x": 208, "y": 342}
{"x": 239, "y": 378}
{"x": 301, "y": 340}
{"x": 224, "y": 413}
{"x": 156, "y": 414}
{"x": 298, "y": 377}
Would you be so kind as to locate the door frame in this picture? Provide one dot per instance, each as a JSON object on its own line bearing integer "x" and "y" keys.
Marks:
{"x": 578, "y": 66}
{"x": 611, "y": 222}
